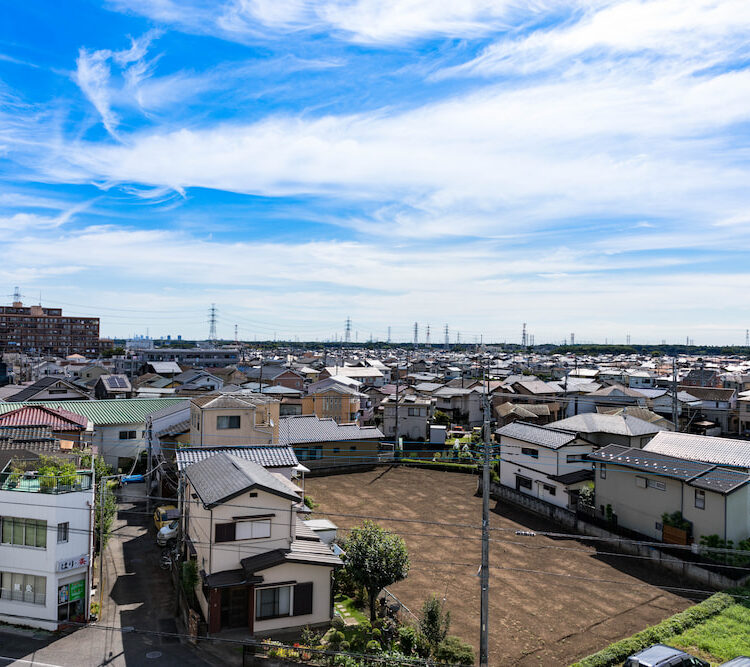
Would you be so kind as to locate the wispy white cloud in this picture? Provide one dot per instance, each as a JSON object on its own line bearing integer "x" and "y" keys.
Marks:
{"x": 93, "y": 75}
{"x": 365, "y": 21}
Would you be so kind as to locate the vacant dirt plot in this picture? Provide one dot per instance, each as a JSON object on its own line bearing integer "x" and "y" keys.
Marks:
{"x": 536, "y": 618}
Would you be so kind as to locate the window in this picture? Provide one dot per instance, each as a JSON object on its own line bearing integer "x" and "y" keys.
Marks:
{"x": 224, "y": 532}
{"x": 57, "y": 391}
{"x": 523, "y": 482}
{"x": 273, "y": 602}
{"x": 603, "y": 471}
{"x": 127, "y": 435}
{"x": 23, "y": 587}
{"x": 574, "y": 458}
{"x": 24, "y": 532}
{"x": 550, "y": 489}
{"x": 700, "y": 499}
{"x": 227, "y": 421}
{"x": 528, "y": 451}
{"x": 62, "y": 532}
{"x": 303, "y": 599}
{"x": 252, "y": 530}
{"x": 641, "y": 482}
{"x": 656, "y": 484}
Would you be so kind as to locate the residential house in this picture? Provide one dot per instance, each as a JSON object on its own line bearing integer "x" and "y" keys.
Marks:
{"x": 702, "y": 377}
{"x": 195, "y": 380}
{"x": 743, "y": 405}
{"x": 611, "y": 397}
{"x": 261, "y": 569}
{"x": 63, "y": 424}
{"x": 545, "y": 462}
{"x": 325, "y": 443}
{"x": 464, "y": 406}
{"x": 49, "y": 388}
{"x": 539, "y": 413}
{"x": 727, "y": 452}
{"x": 233, "y": 419}
{"x": 46, "y": 528}
{"x": 119, "y": 425}
{"x": 367, "y": 375}
{"x": 113, "y": 386}
{"x": 637, "y": 487}
{"x": 414, "y": 413}
{"x": 602, "y": 430}
{"x": 718, "y": 408}
{"x": 276, "y": 375}
{"x": 641, "y": 379}
{"x": 337, "y": 401}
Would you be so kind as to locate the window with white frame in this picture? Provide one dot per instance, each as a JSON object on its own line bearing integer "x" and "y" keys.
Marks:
{"x": 273, "y": 602}
{"x": 530, "y": 451}
{"x": 24, "y": 532}
{"x": 253, "y": 530}
{"x": 20, "y": 587}
{"x": 63, "y": 531}
{"x": 656, "y": 484}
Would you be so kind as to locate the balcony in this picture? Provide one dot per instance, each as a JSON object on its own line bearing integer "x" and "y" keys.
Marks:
{"x": 54, "y": 484}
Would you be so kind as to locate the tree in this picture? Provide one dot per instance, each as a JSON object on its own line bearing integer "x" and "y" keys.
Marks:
{"x": 375, "y": 558}
{"x": 441, "y": 418}
{"x": 433, "y": 623}
{"x": 104, "y": 516}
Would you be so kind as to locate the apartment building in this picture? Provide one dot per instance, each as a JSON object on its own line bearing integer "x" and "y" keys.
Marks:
{"x": 45, "y": 547}
{"x": 46, "y": 331}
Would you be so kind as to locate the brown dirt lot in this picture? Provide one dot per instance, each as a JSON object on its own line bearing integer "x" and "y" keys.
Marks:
{"x": 535, "y": 618}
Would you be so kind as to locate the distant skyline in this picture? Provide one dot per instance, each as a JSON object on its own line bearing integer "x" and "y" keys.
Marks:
{"x": 579, "y": 166}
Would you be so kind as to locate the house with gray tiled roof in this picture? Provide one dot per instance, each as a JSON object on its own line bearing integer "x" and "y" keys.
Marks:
{"x": 640, "y": 486}
{"x": 325, "y": 443}
{"x": 544, "y": 462}
{"x": 262, "y": 570}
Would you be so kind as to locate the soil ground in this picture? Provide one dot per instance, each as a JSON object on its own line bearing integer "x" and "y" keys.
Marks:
{"x": 552, "y": 601}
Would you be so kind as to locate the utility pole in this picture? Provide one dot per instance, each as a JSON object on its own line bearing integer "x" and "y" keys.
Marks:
{"x": 674, "y": 395}
{"x": 484, "y": 624}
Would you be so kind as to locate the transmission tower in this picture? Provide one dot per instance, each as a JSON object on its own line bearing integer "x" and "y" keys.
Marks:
{"x": 627, "y": 339}
{"x": 524, "y": 336}
{"x": 348, "y": 331}
{"x": 212, "y": 322}
{"x": 572, "y": 339}
{"x": 236, "y": 337}
{"x": 447, "y": 340}
{"x": 458, "y": 337}
{"x": 427, "y": 338}
{"x": 747, "y": 337}
{"x": 389, "y": 334}
{"x": 416, "y": 334}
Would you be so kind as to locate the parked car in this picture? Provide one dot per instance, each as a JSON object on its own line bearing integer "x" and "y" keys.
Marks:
{"x": 661, "y": 655}
{"x": 164, "y": 515}
{"x": 167, "y": 533}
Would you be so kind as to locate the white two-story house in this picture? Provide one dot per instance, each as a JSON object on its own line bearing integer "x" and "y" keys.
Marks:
{"x": 545, "y": 462}
{"x": 261, "y": 569}
{"x": 46, "y": 529}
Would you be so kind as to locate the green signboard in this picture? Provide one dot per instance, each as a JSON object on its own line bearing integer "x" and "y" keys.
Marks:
{"x": 77, "y": 590}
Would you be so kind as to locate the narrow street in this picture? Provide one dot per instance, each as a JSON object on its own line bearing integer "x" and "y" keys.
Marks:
{"x": 139, "y": 603}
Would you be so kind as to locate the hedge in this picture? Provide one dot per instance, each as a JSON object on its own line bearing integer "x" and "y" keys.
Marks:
{"x": 470, "y": 468}
{"x": 616, "y": 653}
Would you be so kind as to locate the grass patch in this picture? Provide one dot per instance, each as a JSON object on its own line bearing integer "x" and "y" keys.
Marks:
{"x": 716, "y": 608}
{"x": 351, "y": 608}
{"x": 720, "y": 638}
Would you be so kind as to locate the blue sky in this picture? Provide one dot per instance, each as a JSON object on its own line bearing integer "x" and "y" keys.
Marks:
{"x": 582, "y": 167}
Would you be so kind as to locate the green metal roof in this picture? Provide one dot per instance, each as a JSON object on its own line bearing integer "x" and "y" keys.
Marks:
{"x": 107, "y": 411}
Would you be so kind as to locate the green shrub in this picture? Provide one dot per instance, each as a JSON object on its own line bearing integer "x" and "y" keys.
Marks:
{"x": 373, "y": 646}
{"x": 454, "y": 651}
{"x": 336, "y": 638}
{"x": 337, "y": 623}
{"x": 345, "y": 646}
{"x": 617, "y": 652}
{"x": 407, "y": 639}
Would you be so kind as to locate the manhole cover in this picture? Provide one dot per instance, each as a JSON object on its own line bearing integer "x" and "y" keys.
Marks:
{"x": 152, "y": 655}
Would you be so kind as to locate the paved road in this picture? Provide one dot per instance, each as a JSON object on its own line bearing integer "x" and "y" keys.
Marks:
{"x": 140, "y": 597}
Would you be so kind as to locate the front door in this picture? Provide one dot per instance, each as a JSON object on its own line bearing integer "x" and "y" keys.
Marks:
{"x": 234, "y": 607}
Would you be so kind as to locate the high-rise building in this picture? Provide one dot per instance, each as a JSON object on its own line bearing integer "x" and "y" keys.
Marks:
{"x": 39, "y": 330}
